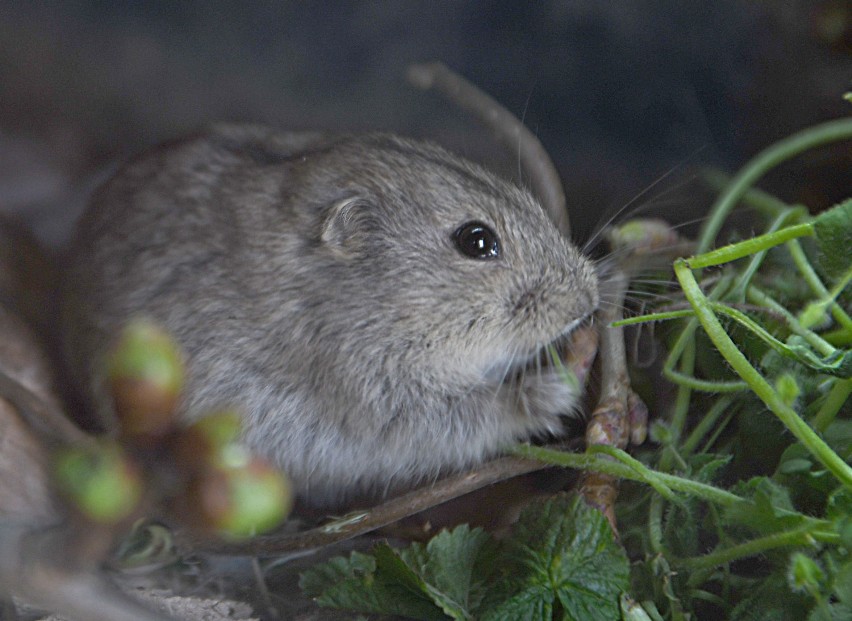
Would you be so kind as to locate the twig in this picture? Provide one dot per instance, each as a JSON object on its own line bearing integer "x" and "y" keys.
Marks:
{"x": 391, "y": 511}
{"x": 507, "y": 128}
{"x": 610, "y": 423}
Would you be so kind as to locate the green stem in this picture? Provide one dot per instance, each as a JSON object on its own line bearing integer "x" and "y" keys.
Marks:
{"x": 801, "y": 355}
{"x": 683, "y": 350}
{"x": 629, "y": 321}
{"x": 815, "y": 283}
{"x": 780, "y": 221}
{"x": 717, "y": 432}
{"x": 839, "y": 337}
{"x": 759, "y": 297}
{"x": 604, "y": 465}
{"x": 647, "y": 475}
{"x": 797, "y": 537}
{"x": 732, "y": 252}
{"x": 764, "y": 202}
{"x": 707, "y": 423}
{"x": 655, "y": 525}
{"x": 693, "y": 383}
{"x": 755, "y": 380}
{"x": 832, "y": 404}
{"x": 809, "y": 138}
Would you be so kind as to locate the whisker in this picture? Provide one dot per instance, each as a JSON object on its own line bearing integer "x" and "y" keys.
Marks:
{"x": 520, "y": 136}
{"x": 595, "y": 237}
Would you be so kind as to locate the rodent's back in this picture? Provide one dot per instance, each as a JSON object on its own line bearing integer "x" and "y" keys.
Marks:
{"x": 314, "y": 282}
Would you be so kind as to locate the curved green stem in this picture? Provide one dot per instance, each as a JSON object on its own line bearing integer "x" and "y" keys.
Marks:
{"x": 816, "y": 284}
{"x": 602, "y": 464}
{"x": 683, "y": 350}
{"x": 796, "y": 537}
{"x": 832, "y": 404}
{"x": 765, "y": 203}
{"x": 648, "y": 475}
{"x": 706, "y": 424}
{"x": 807, "y": 436}
{"x": 630, "y": 321}
{"x": 761, "y": 298}
{"x": 750, "y": 246}
{"x": 804, "y": 140}
{"x": 756, "y": 261}
{"x": 655, "y": 525}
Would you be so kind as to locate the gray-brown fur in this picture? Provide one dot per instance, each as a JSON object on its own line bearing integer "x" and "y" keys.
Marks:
{"x": 313, "y": 282}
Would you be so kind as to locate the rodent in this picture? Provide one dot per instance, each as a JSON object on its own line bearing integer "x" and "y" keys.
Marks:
{"x": 368, "y": 302}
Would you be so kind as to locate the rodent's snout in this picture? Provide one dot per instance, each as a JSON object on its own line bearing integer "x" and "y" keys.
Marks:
{"x": 559, "y": 299}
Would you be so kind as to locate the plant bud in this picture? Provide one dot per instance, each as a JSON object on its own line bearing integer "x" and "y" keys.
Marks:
{"x": 102, "y": 483}
{"x": 146, "y": 377}
{"x": 240, "y": 502}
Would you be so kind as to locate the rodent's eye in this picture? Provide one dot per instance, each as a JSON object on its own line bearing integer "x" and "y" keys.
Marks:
{"x": 477, "y": 241}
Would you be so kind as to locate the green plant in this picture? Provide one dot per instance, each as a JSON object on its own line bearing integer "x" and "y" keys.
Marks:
{"x": 742, "y": 508}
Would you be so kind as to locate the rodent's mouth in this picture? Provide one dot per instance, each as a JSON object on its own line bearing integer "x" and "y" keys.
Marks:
{"x": 544, "y": 355}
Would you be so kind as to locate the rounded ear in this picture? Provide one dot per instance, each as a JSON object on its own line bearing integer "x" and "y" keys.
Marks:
{"x": 345, "y": 225}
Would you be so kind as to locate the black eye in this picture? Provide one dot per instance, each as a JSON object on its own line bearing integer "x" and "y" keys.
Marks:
{"x": 477, "y": 241}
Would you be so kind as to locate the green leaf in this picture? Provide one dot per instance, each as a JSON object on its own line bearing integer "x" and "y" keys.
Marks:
{"x": 831, "y": 612}
{"x": 561, "y": 556}
{"x": 358, "y": 583}
{"x": 771, "y": 600}
{"x": 843, "y": 584}
{"x": 706, "y": 466}
{"x": 454, "y": 566}
{"x": 804, "y": 574}
{"x": 838, "y": 363}
{"x": 771, "y": 509}
{"x": 447, "y": 576}
{"x": 833, "y": 230}
{"x": 839, "y": 504}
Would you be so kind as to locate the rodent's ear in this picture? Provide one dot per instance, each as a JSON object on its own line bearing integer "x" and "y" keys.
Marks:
{"x": 345, "y": 224}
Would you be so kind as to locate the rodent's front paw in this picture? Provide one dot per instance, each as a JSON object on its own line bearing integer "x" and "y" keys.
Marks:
{"x": 548, "y": 393}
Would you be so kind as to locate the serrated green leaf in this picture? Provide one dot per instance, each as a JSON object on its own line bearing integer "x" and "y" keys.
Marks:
{"x": 315, "y": 581}
{"x": 771, "y": 509}
{"x": 833, "y": 229}
{"x": 705, "y": 466}
{"x": 560, "y": 550}
{"x": 454, "y": 566}
{"x": 446, "y": 577}
{"x": 391, "y": 567}
{"x": 771, "y": 600}
{"x": 357, "y": 583}
{"x": 534, "y": 603}
{"x": 682, "y": 521}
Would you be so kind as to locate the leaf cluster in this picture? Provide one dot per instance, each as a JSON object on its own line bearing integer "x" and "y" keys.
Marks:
{"x": 764, "y": 410}
{"x": 560, "y": 561}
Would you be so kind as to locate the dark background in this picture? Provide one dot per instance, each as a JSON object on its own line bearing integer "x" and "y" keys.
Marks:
{"x": 619, "y": 92}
